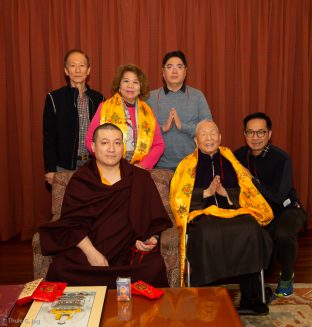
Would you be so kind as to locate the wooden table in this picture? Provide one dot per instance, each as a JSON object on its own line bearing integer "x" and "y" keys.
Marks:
{"x": 178, "y": 307}
{"x": 207, "y": 306}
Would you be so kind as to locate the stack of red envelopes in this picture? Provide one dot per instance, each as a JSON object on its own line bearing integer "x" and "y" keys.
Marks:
{"x": 41, "y": 291}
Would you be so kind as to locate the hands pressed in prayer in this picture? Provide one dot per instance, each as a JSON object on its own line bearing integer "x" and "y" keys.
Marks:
{"x": 176, "y": 118}
{"x": 173, "y": 117}
{"x": 147, "y": 245}
{"x": 215, "y": 187}
{"x": 212, "y": 189}
{"x": 221, "y": 190}
{"x": 167, "y": 125}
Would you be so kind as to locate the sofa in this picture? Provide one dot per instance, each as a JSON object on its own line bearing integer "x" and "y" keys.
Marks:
{"x": 169, "y": 240}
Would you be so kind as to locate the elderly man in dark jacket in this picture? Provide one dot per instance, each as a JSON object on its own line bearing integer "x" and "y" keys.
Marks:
{"x": 67, "y": 115}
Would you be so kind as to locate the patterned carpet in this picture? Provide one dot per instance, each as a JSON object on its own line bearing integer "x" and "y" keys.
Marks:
{"x": 292, "y": 311}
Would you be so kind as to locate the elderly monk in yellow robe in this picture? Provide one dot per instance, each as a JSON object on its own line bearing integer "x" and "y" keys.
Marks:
{"x": 215, "y": 202}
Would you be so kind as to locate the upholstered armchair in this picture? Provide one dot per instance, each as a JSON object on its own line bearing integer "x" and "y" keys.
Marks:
{"x": 169, "y": 240}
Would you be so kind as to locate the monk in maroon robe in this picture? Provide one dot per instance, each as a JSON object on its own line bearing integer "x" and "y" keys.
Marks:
{"x": 112, "y": 217}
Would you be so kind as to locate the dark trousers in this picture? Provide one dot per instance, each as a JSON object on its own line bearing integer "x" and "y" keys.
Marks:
{"x": 250, "y": 286}
{"x": 284, "y": 231}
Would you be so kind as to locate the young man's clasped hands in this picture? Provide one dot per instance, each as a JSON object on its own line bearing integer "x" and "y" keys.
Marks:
{"x": 172, "y": 118}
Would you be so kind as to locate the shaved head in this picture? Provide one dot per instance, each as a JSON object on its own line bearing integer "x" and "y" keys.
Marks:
{"x": 207, "y": 137}
{"x": 205, "y": 122}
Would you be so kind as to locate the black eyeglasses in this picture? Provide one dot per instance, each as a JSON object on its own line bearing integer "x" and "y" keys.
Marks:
{"x": 171, "y": 66}
{"x": 250, "y": 133}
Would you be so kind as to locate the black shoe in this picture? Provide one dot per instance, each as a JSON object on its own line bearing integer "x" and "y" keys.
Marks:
{"x": 269, "y": 295}
{"x": 252, "y": 308}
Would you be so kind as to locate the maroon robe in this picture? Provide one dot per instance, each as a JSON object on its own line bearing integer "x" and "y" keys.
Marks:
{"x": 113, "y": 217}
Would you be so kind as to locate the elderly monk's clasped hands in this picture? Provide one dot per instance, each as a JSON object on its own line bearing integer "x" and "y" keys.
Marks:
{"x": 215, "y": 187}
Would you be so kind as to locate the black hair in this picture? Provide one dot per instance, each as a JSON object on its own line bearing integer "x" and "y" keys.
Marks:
{"x": 108, "y": 126}
{"x": 258, "y": 115}
{"x": 140, "y": 75}
{"x": 75, "y": 51}
{"x": 178, "y": 54}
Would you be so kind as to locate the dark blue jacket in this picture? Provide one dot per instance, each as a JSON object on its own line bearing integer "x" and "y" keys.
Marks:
{"x": 61, "y": 126}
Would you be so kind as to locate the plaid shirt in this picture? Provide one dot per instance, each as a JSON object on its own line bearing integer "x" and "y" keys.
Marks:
{"x": 84, "y": 122}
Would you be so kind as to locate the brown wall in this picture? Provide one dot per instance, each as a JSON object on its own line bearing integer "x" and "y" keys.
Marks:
{"x": 245, "y": 55}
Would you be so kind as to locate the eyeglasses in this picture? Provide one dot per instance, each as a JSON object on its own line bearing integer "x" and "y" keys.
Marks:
{"x": 178, "y": 66}
{"x": 250, "y": 133}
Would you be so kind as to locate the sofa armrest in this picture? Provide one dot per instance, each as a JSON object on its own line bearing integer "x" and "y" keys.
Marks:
{"x": 169, "y": 240}
{"x": 170, "y": 250}
{"x": 41, "y": 263}
{"x": 60, "y": 181}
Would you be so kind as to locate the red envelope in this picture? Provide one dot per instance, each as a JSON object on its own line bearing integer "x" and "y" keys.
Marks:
{"x": 142, "y": 288}
{"x": 41, "y": 291}
{"x": 48, "y": 291}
